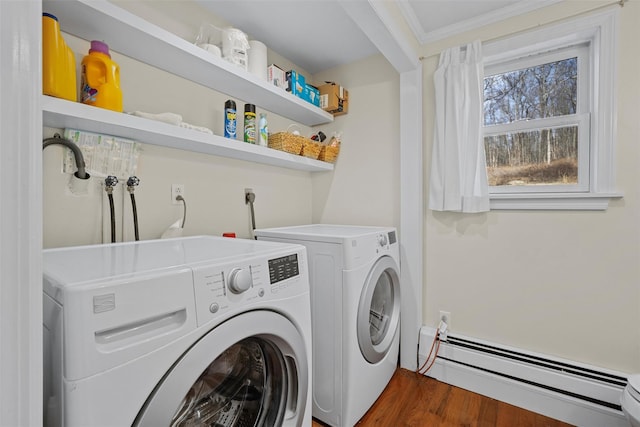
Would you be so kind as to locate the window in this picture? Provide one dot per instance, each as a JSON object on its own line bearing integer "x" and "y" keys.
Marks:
{"x": 548, "y": 116}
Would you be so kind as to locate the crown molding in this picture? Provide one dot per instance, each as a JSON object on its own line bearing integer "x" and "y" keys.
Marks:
{"x": 424, "y": 36}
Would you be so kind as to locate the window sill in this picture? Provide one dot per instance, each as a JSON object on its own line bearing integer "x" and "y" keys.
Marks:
{"x": 553, "y": 201}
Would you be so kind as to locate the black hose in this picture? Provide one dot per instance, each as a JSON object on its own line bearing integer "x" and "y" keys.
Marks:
{"x": 77, "y": 153}
{"x": 135, "y": 216}
{"x": 253, "y": 219}
{"x": 113, "y": 218}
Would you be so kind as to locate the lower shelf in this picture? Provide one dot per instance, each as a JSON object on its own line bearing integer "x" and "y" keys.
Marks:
{"x": 60, "y": 113}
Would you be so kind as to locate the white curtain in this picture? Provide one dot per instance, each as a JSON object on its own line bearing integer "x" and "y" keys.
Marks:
{"x": 458, "y": 180}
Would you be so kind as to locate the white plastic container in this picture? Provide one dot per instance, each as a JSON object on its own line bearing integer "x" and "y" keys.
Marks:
{"x": 235, "y": 45}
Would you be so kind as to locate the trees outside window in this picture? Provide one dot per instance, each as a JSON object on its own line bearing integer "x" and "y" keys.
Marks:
{"x": 532, "y": 114}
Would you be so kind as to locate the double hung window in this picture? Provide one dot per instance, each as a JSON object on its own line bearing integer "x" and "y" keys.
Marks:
{"x": 548, "y": 116}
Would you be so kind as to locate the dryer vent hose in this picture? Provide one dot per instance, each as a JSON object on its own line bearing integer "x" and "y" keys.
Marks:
{"x": 81, "y": 173}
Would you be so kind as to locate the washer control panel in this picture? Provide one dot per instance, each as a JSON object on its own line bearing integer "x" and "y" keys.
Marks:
{"x": 283, "y": 268}
{"x": 220, "y": 289}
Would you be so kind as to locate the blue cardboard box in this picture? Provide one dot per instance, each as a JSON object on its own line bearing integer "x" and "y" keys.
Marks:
{"x": 296, "y": 83}
{"x": 312, "y": 95}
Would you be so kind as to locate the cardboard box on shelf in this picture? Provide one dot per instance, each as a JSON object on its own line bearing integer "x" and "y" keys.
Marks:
{"x": 276, "y": 76}
{"x": 334, "y": 99}
{"x": 312, "y": 95}
{"x": 296, "y": 83}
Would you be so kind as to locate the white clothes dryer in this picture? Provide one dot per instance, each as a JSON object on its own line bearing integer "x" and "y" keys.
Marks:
{"x": 178, "y": 332}
{"x": 355, "y": 313}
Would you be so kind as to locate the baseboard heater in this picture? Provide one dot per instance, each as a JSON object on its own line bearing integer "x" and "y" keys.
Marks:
{"x": 579, "y": 394}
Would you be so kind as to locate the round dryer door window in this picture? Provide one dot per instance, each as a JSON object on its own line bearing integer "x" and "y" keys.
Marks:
{"x": 248, "y": 371}
{"x": 379, "y": 310}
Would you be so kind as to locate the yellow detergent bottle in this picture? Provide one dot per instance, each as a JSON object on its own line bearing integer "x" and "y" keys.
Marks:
{"x": 101, "y": 78}
{"x": 58, "y": 62}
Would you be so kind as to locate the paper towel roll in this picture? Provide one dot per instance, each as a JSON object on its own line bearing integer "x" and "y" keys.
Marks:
{"x": 258, "y": 59}
{"x": 211, "y": 48}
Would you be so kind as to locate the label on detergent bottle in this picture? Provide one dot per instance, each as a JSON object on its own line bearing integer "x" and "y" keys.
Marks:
{"x": 230, "y": 119}
{"x": 87, "y": 93}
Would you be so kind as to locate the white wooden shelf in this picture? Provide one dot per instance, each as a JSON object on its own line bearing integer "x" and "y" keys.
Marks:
{"x": 132, "y": 36}
{"x": 59, "y": 113}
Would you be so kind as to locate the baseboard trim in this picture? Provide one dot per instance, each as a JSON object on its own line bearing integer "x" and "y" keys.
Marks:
{"x": 581, "y": 401}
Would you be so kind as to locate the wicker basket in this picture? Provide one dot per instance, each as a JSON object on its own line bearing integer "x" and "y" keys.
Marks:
{"x": 288, "y": 142}
{"x": 311, "y": 149}
{"x": 329, "y": 153}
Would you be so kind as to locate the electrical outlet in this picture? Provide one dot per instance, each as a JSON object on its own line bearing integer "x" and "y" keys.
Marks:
{"x": 177, "y": 190}
{"x": 445, "y": 316}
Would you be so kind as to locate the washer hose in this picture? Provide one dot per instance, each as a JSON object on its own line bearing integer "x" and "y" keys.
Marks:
{"x": 132, "y": 182}
{"x": 109, "y": 183}
{"x": 81, "y": 173}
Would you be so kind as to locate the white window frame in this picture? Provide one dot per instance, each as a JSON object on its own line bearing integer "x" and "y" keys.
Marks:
{"x": 598, "y": 32}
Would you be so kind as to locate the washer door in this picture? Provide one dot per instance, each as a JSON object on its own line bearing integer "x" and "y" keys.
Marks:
{"x": 379, "y": 310}
{"x": 249, "y": 371}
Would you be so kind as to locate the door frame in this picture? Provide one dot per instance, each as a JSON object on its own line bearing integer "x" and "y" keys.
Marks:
{"x": 21, "y": 213}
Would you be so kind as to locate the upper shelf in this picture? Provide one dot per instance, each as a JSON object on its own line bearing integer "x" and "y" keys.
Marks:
{"x": 132, "y": 36}
{"x": 59, "y": 113}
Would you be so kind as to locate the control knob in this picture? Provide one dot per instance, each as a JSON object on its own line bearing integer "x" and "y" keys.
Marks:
{"x": 239, "y": 280}
{"x": 382, "y": 240}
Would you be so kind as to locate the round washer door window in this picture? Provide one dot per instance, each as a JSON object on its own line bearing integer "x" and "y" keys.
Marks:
{"x": 379, "y": 310}
{"x": 258, "y": 377}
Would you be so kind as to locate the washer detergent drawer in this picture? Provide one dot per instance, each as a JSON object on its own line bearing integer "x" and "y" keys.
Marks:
{"x": 107, "y": 326}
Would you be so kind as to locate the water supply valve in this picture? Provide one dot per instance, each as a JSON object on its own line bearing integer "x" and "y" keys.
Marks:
{"x": 109, "y": 183}
{"x": 132, "y": 183}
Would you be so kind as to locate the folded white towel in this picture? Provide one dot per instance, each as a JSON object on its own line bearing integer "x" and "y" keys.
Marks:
{"x": 194, "y": 127}
{"x": 171, "y": 118}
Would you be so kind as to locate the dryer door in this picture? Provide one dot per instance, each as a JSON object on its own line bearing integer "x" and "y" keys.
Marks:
{"x": 249, "y": 371}
{"x": 379, "y": 310}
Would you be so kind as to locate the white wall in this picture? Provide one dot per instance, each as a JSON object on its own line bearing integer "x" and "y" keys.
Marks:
{"x": 560, "y": 283}
{"x": 364, "y": 186}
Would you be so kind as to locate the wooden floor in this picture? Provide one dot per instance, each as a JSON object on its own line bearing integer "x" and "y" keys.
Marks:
{"x": 418, "y": 401}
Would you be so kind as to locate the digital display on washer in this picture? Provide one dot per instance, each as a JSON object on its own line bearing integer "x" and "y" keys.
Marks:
{"x": 283, "y": 268}
{"x": 392, "y": 237}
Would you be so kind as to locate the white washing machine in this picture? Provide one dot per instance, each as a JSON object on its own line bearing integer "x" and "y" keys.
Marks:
{"x": 355, "y": 313}
{"x": 179, "y": 332}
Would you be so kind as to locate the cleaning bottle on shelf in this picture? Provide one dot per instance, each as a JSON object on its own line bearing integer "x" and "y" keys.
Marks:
{"x": 230, "y": 119}
{"x": 263, "y": 130}
{"x": 101, "y": 78}
{"x": 250, "y": 123}
{"x": 58, "y": 62}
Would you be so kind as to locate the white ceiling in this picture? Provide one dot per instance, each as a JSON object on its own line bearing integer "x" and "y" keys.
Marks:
{"x": 319, "y": 34}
